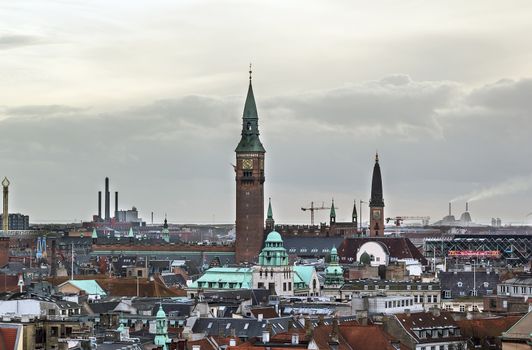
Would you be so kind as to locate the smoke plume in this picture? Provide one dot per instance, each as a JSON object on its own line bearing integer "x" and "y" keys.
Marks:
{"x": 510, "y": 186}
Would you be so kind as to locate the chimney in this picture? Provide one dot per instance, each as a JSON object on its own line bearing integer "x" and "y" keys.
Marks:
{"x": 407, "y": 312}
{"x": 266, "y": 334}
{"x": 232, "y": 342}
{"x": 466, "y": 206}
{"x": 53, "y": 269}
{"x": 295, "y": 338}
{"x": 435, "y": 311}
{"x": 99, "y": 205}
{"x": 450, "y": 209}
{"x": 116, "y": 205}
{"x": 107, "y": 200}
{"x": 260, "y": 317}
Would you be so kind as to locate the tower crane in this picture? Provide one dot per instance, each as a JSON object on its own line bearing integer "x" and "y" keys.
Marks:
{"x": 398, "y": 220}
{"x": 312, "y": 208}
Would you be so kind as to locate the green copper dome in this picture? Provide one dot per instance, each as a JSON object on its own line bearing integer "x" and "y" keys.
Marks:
{"x": 161, "y": 313}
{"x": 274, "y": 237}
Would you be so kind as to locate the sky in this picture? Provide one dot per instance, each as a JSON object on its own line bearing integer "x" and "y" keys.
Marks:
{"x": 150, "y": 93}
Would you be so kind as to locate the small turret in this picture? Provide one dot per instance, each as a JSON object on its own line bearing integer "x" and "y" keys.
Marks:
{"x": 130, "y": 235}
{"x": 354, "y": 217}
{"x": 94, "y": 236}
{"x": 165, "y": 233}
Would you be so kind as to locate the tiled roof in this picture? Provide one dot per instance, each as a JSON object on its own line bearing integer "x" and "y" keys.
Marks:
{"x": 520, "y": 330}
{"x": 267, "y": 312}
{"x": 428, "y": 321}
{"x": 487, "y": 327}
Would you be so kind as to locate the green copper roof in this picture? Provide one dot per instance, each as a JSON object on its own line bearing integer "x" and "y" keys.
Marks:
{"x": 270, "y": 211}
{"x": 273, "y": 237}
{"x": 94, "y": 233}
{"x": 305, "y": 273}
{"x": 130, "y": 234}
{"x": 250, "y": 141}
{"x": 161, "y": 313}
{"x": 333, "y": 211}
{"x": 220, "y": 277}
{"x": 89, "y": 286}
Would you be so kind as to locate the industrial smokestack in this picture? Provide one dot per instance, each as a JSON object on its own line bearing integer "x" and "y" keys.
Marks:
{"x": 53, "y": 269}
{"x": 466, "y": 206}
{"x": 107, "y": 200}
{"x": 116, "y": 204}
{"x": 99, "y": 205}
{"x": 449, "y": 208}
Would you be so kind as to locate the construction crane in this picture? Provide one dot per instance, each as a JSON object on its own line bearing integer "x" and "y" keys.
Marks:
{"x": 312, "y": 208}
{"x": 398, "y": 220}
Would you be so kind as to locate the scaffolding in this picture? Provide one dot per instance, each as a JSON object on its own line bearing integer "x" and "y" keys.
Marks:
{"x": 514, "y": 249}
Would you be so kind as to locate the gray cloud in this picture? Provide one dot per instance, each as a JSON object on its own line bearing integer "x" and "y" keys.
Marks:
{"x": 437, "y": 140}
{"x": 10, "y": 41}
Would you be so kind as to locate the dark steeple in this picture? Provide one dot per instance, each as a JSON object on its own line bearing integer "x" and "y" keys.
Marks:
{"x": 332, "y": 214}
{"x": 376, "y": 185}
{"x": 270, "y": 222}
{"x": 354, "y": 217}
{"x": 250, "y": 141}
{"x": 165, "y": 225}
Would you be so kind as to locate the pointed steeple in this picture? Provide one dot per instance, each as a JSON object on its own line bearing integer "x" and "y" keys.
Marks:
{"x": 376, "y": 185}
{"x": 94, "y": 234}
{"x": 332, "y": 214}
{"x": 354, "y": 217}
{"x": 270, "y": 222}
{"x": 165, "y": 225}
{"x": 250, "y": 141}
{"x": 270, "y": 211}
{"x": 130, "y": 233}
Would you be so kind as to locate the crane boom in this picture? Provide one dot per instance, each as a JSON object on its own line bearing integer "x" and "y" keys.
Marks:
{"x": 312, "y": 208}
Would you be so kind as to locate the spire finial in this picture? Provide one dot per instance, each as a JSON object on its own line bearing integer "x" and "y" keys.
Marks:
{"x": 250, "y": 71}
{"x": 376, "y": 156}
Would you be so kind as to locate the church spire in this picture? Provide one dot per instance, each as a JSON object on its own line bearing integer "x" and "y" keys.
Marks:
{"x": 332, "y": 215}
{"x": 250, "y": 141}
{"x": 354, "y": 217}
{"x": 376, "y": 185}
{"x": 270, "y": 222}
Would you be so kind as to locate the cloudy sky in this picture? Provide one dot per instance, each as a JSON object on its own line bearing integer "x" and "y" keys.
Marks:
{"x": 150, "y": 93}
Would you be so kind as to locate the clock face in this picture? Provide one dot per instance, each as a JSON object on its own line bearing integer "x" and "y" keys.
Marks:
{"x": 247, "y": 164}
{"x": 376, "y": 214}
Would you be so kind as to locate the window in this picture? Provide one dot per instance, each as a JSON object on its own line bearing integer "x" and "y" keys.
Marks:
{"x": 459, "y": 284}
{"x": 289, "y": 285}
{"x": 486, "y": 284}
{"x": 284, "y": 286}
{"x": 462, "y": 308}
{"x": 447, "y": 294}
{"x": 260, "y": 285}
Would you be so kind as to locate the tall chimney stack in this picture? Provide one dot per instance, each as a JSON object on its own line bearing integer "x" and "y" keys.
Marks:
{"x": 5, "y": 215}
{"x": 99, "y": 205}
{"x": 466, "y": 206}
{"x": 449, "y": 208}
{"x": 116, "y": 204}
{"x": 107, "y": 200}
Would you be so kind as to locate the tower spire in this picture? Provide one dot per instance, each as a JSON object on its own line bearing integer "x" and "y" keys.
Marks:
{"x": 332, "y": 215}
{"x": 270, "y": 211}
{"x": 250, "y": 141}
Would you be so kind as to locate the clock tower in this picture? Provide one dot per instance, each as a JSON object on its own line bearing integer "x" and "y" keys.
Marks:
{"x": 249, "y": 185}
{"x": 376, "y": 203}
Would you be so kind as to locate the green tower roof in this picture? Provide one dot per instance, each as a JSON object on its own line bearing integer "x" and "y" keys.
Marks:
{"x": 250, "y": 141}
{"x": 94, "y": 233}
{"x": 333, "y": 211}
{"x": 270, "y": 211}
{"x": 274, "y": 237}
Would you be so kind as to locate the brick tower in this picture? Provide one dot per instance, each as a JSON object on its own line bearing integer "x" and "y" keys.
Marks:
{"x": 249, "y": 185}
{"x": 376, "y": 203}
